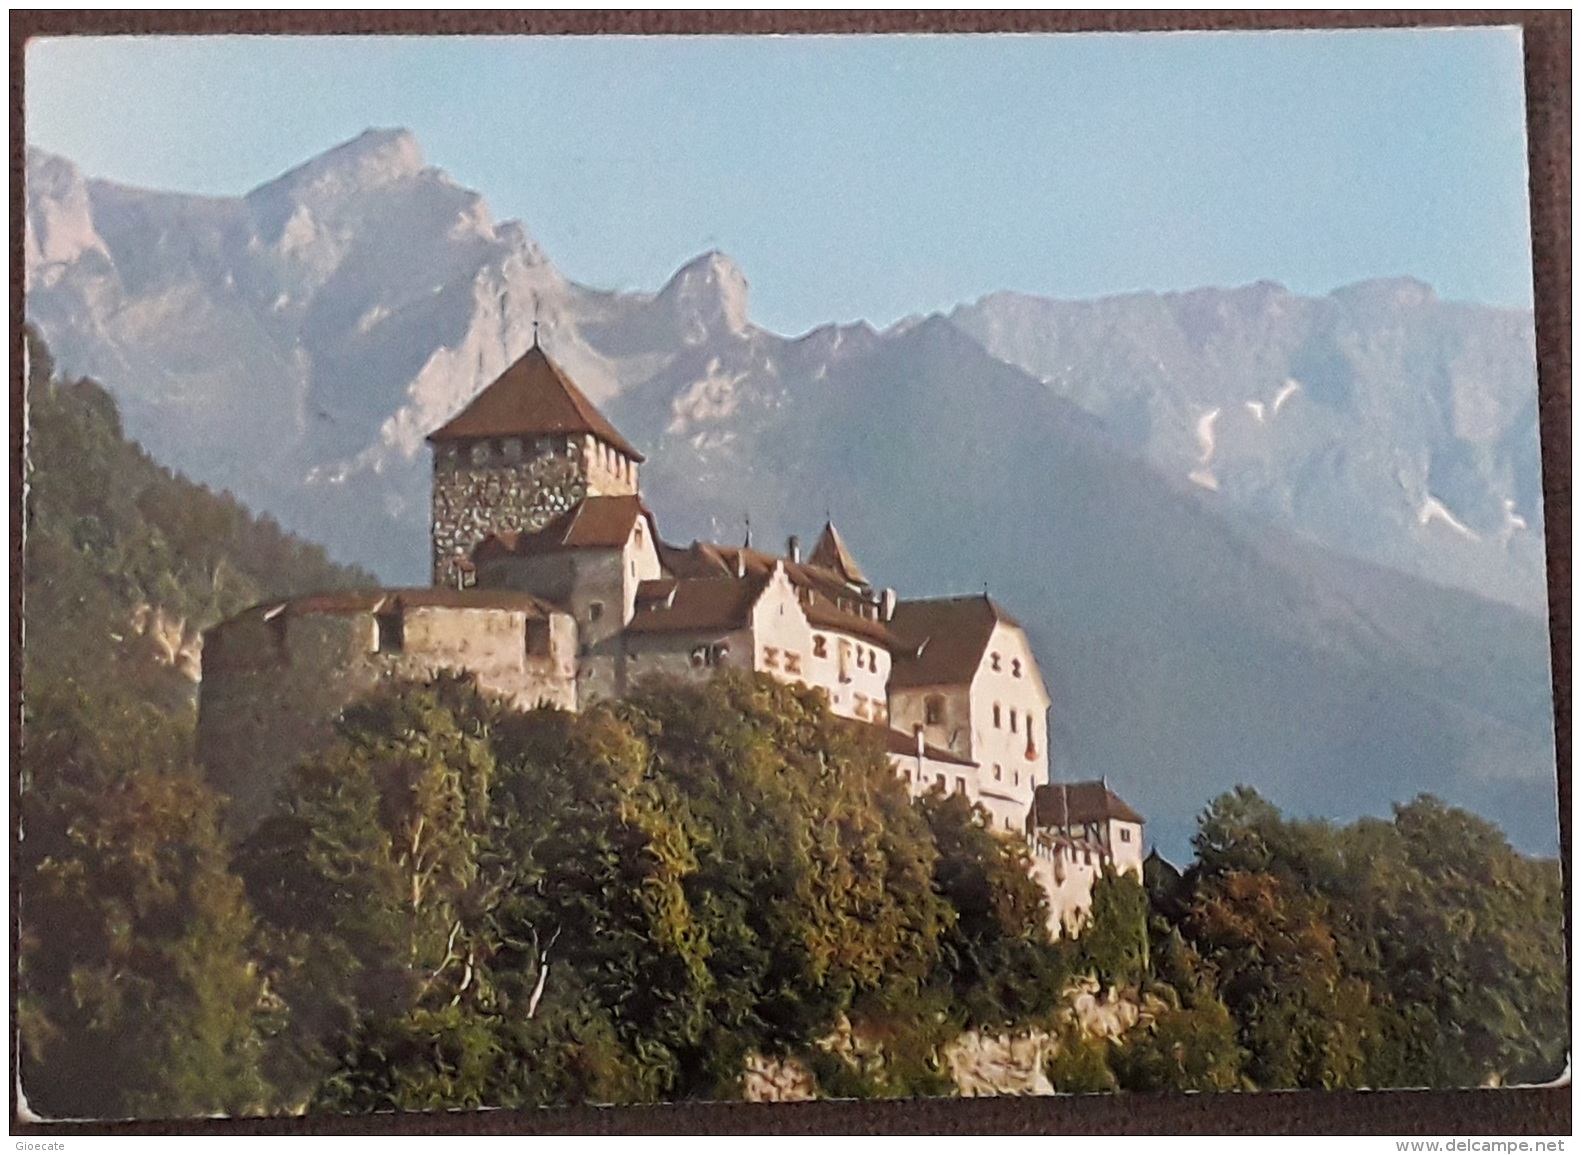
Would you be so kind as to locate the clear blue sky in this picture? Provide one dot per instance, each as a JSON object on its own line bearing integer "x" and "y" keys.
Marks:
{"x": 875, "y": 177}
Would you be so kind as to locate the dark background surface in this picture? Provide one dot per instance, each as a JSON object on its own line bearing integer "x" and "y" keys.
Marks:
{"x": 1539, "y": 1111}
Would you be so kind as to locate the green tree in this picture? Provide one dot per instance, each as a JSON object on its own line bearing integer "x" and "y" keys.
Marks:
{"x": 1466, "y": 938}
{"x": 451, "y": 884}
{"x": 1113, "y": 946}
{"x": 136, "y": 993}
{"x": 997, "y": 960}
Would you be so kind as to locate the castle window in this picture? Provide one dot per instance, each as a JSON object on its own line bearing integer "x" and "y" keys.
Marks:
{"x": 938, "y": 780}
{"x": 933, "y": 710}
{"x": 999, "y": 772}
{"x": 820, "y": 646}
{"x": 1015, "y": 777}
{"x": 595, "y": 610}
{"x": 880, "y": 712}
{"x": 1012, "y": 721}
{"x": 960, "y": 786}
{"x": 996, "y": 715}
{"x": 713, "y": 654}
{"x": 771, "y": 658}
{"x": 537, "y": 639}
{"x": 993, "y": 660}
{"x": 389, "y": 633}
{"x": 511, "y": 449}
{"x": 792, "y": 662}
{"x": 1125, "y": 834}
{"x": 1015, "y": 668}
{"x": 275, "y": 622}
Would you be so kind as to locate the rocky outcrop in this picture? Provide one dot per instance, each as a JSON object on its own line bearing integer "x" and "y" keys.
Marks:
{"x": 170, "y": 642}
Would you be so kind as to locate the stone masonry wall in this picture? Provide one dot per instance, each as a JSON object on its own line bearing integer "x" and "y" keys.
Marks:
{"x": 272, "y": 691}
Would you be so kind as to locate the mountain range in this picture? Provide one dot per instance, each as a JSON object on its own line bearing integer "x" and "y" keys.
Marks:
{"x": 1255, "y": 536}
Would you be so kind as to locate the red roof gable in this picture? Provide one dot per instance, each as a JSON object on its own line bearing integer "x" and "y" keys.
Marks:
{"x": 1078, "y": 803}
{"x": 943, "y": 639}
{"x": 533, "y": 398}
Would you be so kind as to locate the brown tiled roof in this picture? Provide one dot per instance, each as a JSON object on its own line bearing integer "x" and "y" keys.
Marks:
{"x": 942, "y": 640}
{"x": 1077, "y": 803}
{"x": 388, "y": 600}
{"x": 700, "y": 604}
{"x": 899, "y": 742}
{"x": 831, "y": 554}
{"x": 533, "y": 398}
{"x": 822, "y": 590}
{"x": 592, "y": 523}
{"x": 657, "y": 593}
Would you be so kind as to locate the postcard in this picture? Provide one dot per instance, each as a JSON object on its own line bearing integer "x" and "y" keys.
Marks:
{"x": 571, "y": 570}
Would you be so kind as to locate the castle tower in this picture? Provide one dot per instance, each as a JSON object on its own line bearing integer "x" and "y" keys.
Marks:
{"x": 525, "y": 450}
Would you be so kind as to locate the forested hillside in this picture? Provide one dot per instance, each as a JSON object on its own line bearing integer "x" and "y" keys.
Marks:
{"x": 126, "y": 562}
{"x": 136, "y": 991}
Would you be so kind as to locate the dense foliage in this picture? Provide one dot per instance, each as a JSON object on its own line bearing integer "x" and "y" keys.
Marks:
{"x": 456, "y": 904}
{"x": 627, "y": 901}
{"x": 138, "y": 990}
{"x": 1420, "y": 952}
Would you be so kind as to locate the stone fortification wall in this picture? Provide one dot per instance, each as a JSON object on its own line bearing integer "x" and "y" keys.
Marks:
{"x": 273, "y": 688}
{"x": 662, "y": 656}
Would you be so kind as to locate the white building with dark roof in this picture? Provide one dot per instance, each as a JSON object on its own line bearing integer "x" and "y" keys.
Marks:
{"x": 552, "y": 585}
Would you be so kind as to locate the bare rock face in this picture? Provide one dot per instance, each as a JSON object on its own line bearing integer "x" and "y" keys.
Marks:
{"x": 1005, "y": 1064}
{"x": 1378, "y": 420}
{"x": 777, "y": 1081}
{"x": 169, "y": 641}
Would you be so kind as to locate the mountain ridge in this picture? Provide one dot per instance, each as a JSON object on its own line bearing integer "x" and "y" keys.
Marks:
{"x": 405, "y": 298}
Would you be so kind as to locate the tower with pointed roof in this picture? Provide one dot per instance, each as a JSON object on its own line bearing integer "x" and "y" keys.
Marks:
{"x": 523, "y": 452}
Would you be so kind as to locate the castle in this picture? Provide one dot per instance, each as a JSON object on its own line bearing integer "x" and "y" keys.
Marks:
{"x": 551, "y": 585}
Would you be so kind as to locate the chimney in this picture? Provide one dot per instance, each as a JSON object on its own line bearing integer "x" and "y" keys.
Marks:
{"x": 793, "y": 548}
{"x": 921, "y": 742}
{"x": 887, "y": 604}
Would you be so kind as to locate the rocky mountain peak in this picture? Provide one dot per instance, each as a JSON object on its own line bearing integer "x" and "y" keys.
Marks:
{"x": 708, "y": 295}
{"x": 1386, "y": 293}
{"x": 59, "y": 224}
{"x": 377, "y": 157}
